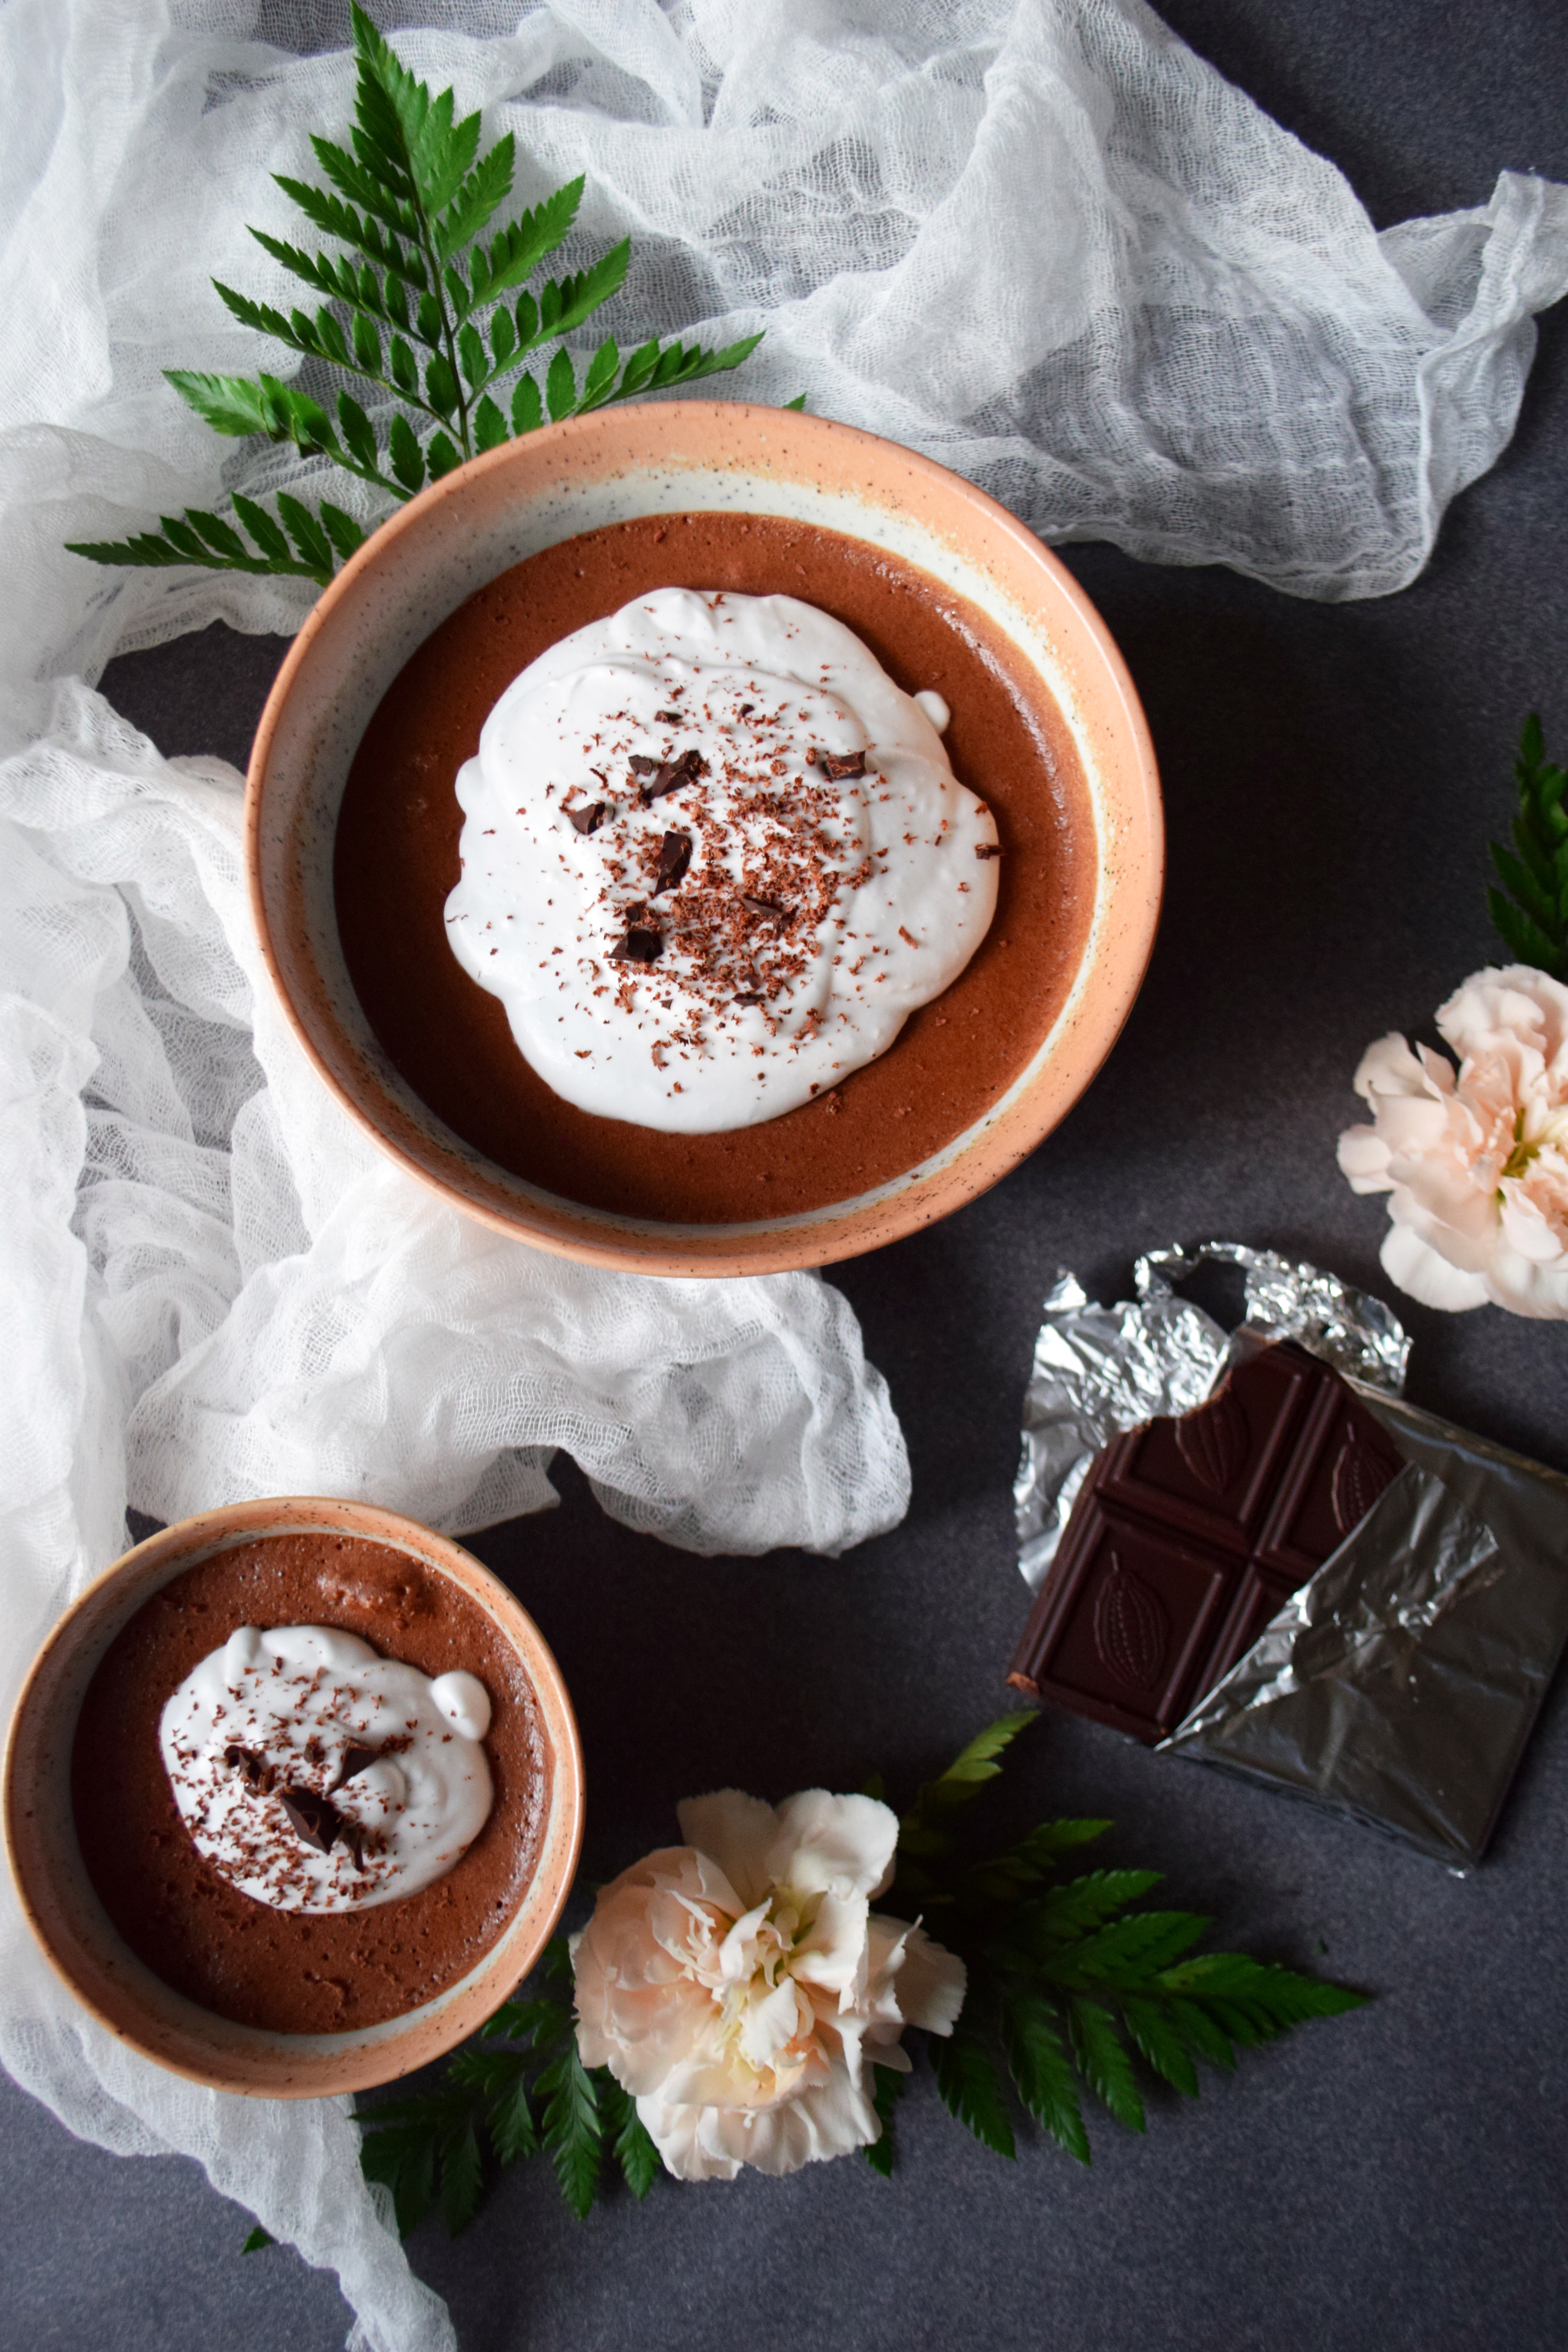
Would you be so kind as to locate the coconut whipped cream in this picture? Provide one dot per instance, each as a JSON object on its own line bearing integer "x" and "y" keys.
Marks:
{"x": 712, "y": 859}
{"x": 319, "y": 1776}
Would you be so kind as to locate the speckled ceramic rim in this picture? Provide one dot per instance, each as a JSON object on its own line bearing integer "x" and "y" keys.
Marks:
{"x": 75, "y": 1932}
{"x": 672, "y": 457}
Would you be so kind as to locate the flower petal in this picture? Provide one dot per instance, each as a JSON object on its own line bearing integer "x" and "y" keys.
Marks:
{"x": 737, "y": 1830}
{"x": 1416, "y": 1267}
{"x": 832, "y": 1845}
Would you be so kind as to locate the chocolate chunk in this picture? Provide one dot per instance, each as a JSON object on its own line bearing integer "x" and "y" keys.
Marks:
{"x": 673, "y": 773}
{"x": 641, "y": 765}
{"x": 838, "y": 765}
{"x": 669, "y": 718}
{"x": 316, "y": 1822}
{"x": 253, "y": 1769}
{"x": 766, "y": 906}
{"x": 356, "y": 1760}
{"x": 751, "y": 996}
{"x": 639, "y": 946}
{"x": 352, "y": 1835}
{"x": 988, "y": 849}
{"x": 589, "y": 818}
{"x": 1189, "y": 1534}
{"x": 674, "y": 857}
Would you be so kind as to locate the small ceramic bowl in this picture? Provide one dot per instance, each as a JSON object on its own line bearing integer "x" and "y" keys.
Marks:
{"x": 611, "y": 468}
{"x": 70, "y": 1923}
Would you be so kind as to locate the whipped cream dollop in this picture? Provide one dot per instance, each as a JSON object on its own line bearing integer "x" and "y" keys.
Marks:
{"x": 319, "y": 1776}
{"x": 712, "y": 859}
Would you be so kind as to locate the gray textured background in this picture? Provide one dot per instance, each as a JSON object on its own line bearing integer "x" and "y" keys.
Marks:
{"x": 1392, "y": 2180}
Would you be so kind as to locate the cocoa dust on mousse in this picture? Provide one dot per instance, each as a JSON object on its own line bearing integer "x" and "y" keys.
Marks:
{"x": 396, "y": 860}
{"x": 287, "y": 1971}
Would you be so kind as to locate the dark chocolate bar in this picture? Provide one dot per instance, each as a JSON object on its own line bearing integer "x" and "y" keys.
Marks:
{"x": 1189, "y": 1534}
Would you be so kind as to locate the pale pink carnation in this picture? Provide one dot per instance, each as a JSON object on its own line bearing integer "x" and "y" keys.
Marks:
{"x": 741, "y": 1987}
{"x": 1476, "y": 1160}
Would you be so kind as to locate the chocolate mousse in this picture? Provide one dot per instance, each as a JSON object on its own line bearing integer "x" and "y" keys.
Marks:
{"x": 288, "y": 1970}
{"x": 397, "y": 862}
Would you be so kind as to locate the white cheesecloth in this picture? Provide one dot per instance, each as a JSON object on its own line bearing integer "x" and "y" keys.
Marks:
{"x": 1039, "y": 240}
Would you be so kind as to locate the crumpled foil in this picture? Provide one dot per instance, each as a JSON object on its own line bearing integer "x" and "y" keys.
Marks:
{"x": 1399, "y": 1684}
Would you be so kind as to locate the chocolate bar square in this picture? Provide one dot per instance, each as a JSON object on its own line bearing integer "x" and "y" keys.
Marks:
{"x": 1190, "y": 1533}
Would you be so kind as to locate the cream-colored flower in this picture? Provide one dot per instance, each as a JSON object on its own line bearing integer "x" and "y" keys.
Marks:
{"x": 741, "y": 1986}
{"x": 1477, "y": 1159}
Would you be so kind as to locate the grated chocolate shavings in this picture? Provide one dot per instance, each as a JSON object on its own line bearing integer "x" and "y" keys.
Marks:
{"x": 837, "y": 766}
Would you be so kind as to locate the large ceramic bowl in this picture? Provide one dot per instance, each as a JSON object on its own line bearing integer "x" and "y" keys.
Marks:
{"x": 662, "y": 458}
{"x": 70, "y": 1923}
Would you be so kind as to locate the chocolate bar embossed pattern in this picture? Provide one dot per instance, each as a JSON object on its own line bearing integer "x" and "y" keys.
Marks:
{"x": 1189, "y": 1535}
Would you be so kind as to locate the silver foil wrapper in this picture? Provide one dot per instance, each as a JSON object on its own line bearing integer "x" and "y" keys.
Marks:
{"x": 1398, "y": 1686}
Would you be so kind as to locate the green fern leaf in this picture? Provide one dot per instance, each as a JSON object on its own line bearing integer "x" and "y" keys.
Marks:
{"x": 512, "y": 2129}
{"x": 573, "y": 2130}
{"x": 1060, "y": 1915}
{"x": 925, "y": 1829}
{"x": 968, "y": 2082}
{"x": 600, "y": 378}
{"x": 490, "y": 425}
{"x": 633, "y": 2148}
{"x": 1158, "y": 2037}
{"x": 262, "y": 529}
{"x": 515, "y": 252}
{"x": 1041, "y": 2071}
{"x": 1128, "y": 1952}
{"x": 217, "y": 535}
{"x": 561, "y": 387}
{"x": 462, "y": 2179}
{"x": 229, "y": 404}
{"x": 527, "y": 408}
{"x": 345, "y": 534}
{"x": 408, "y": 458}
{"x": 363, "y": 187}
{"x": 305, "y": 531}
{"x": 441, "y": 386}
{"x": 441, "y": 455}
{"x": 1103, "y": 2062}
{"x": 486, "y": 187}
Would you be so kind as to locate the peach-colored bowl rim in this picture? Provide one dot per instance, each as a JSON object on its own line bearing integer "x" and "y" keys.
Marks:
{"x": 663, "y": 434}
{"x": 117, "y": 1987}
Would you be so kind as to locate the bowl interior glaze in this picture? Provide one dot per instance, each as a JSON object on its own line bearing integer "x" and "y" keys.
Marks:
{"x": 77, "y": 1936}
{"x": 611, "y": 468}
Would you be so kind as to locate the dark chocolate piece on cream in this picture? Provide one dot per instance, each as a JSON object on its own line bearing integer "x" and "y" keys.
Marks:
{"x": 751, "y": 996}
{"x": 987, "y": 849}
{"x": 352, "y": 1837}
{"x": 356, "y": 1760}
{"x": 668, "y": 718}
{"x": 1189, "y": 1534}
{"x": 315, "y": 1821}
{"x": 766, "y": 906}
{"x": 639, "y": 946}
{"x": 253, "y": 1769}
{"x": 641, "y": 764}
{"x": 672, "y": 774}
{"x": 838, "y": 766}
{"x": 674, "y": 857}
{"x": 590, "y": 817}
